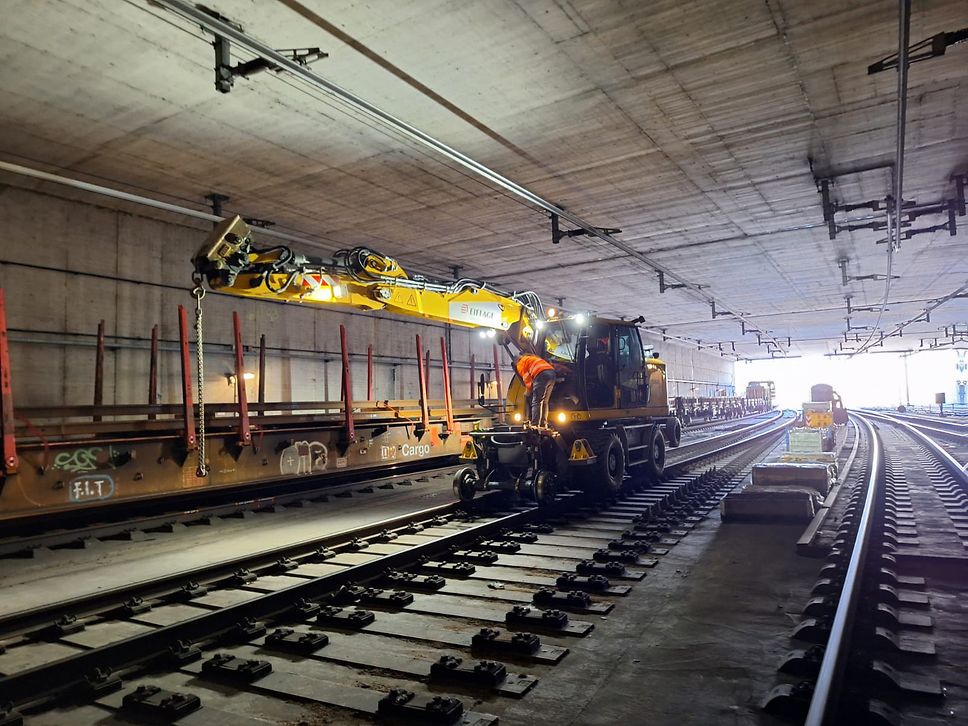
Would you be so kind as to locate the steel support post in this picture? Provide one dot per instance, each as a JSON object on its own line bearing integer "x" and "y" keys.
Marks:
{"x": 188, "y": 406}
{"x": 427, "y": 372}
{"x": 422, "y": 386}
{"x": 99, "y": 370}
{"x": 153, "y": 372}
{"x": 349, "y": 428}
{"x": 262, "y": 370}
{"x": 473, "y": 382}
{"x": 245, "y": 433}
{"x": 448, "y": 401}
{"x": 369, "y": 372}
{"x": 497, "y": 378}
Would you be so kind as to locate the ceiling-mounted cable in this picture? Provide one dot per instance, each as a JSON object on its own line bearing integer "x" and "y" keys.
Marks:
{"x": 895, "y": 209}
{"x": 226, "y": 30}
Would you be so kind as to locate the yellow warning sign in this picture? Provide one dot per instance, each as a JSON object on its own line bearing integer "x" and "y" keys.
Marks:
{"x": 412, "y": 300}
{"x": 819, "y": 419}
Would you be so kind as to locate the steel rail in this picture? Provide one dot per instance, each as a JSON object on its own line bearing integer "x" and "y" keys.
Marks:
{"x": 214, "y": 25}
{"x": 950, "y": 434}
{"x": 721, "y": 421}
{"x": 707, "y": 440}
{"x": 930, "y": 421}
{"x": 950, "y": 463}
{"x": 95, "y": 602}
{"x": 725, "y": 448}
{"x": 827, "y": 691}
{"x": 48, "y": 678}
{"x": 194, "y": 506}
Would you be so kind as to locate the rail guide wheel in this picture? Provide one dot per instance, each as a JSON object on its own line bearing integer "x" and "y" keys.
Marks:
{"x": 544, "y": 487}
{"x": 465, "y": 484}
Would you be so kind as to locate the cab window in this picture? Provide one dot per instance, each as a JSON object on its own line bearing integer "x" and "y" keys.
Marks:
{"x": 560, "y": 342}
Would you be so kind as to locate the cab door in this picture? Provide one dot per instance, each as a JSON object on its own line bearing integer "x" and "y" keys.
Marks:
{"x": 629, "y": 367}
{"x": 598, "y": 366}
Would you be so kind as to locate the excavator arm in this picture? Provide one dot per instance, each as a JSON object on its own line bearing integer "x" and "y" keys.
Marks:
{"x": 358, "y": 278}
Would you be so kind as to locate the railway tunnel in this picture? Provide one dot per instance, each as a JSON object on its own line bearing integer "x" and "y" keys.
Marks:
{"x": 283, "y": 285}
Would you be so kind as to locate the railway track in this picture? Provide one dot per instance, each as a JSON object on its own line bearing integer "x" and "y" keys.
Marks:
{"x": 952, "y": 435}
{"x": 415, "y": 619}
{"x": 881, "y": 639}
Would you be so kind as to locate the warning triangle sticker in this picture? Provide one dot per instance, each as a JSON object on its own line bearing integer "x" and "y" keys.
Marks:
{"x": 412, "y": 300}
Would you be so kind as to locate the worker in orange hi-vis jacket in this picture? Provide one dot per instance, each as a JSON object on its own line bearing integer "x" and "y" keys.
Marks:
{"x": 538, "y": 376}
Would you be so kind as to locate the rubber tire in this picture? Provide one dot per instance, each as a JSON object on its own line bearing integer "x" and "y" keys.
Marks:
{"x": 609, "y": 470}
{"x": 655, "y": 464}
{"x": 673, "y": 430}
{"x": 464, "y": 481}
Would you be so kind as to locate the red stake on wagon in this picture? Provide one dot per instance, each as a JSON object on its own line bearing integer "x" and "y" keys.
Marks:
{"x": 11, "y": 461}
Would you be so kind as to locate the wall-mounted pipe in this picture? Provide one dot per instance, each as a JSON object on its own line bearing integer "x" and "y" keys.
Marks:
{"x": 138, "y": 199}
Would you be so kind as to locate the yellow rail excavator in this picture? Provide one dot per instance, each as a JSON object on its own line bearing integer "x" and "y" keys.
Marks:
{"x": 609, "y": 409}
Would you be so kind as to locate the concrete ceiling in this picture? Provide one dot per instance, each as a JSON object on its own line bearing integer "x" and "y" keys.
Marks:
{"x": 689, "y": 125}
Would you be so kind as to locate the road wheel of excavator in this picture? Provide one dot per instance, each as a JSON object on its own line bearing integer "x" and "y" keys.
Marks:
{"x": 655, "y": 462}
{"x": 607, "y": 474}
{"x": 673, "y": 431}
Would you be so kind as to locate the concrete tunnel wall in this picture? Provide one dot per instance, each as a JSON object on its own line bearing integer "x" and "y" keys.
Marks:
{"x": 67, "y": 263}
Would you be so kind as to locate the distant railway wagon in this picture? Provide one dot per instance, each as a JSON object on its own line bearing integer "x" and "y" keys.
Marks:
{"x": 760, "y": 394}
{"x": 689, "y": 410}
{"x": 824, "y": 392}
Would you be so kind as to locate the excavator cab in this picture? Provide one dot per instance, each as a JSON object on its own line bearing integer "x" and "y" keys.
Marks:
{"x": 603, "y": 367}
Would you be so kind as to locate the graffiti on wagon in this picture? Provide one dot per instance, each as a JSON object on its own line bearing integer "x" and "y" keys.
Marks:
{"x": 302, "y": 458}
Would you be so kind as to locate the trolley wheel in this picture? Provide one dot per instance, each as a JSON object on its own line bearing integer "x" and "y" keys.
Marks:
{"x": 673, "y": 430}
{"x": 544, "y": 487}
{"x": 655, "y": 463}
{"x": 465, "y": 484}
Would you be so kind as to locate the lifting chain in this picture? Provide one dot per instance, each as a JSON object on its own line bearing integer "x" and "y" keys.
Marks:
{"x": 198, "y": 292}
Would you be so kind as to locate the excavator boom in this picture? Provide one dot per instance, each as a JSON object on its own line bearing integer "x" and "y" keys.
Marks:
{"x": 358, "y": 278}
